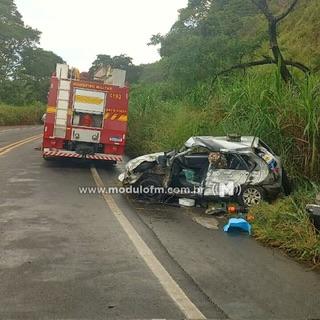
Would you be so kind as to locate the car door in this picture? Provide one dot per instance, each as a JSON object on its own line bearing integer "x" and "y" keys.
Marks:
{"x": 226, "y": 181}
{"x": 189, "y": 167}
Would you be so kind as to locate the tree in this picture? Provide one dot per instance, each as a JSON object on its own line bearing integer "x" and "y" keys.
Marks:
{"x": 278, "y": 58}
{"x": 209, "y": 36}
{"x": 273, "y": 21}
{"x": 122, "y": 61}
{"x": 102, "y": 60}
{"x": 25, "y": 69}
{"x": 36, "y": 69}
{"x": 214, "y": 37}
{"x": 32, "y": 79}
{"x": 38, "y": 64}
{"x": 15, "y": 37}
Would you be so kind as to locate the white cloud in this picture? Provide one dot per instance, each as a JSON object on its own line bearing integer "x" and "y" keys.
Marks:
{"x": 78, "y": 30}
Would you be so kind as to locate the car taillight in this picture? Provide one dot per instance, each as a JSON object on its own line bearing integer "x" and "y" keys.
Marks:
{"x": 276, "y": 170}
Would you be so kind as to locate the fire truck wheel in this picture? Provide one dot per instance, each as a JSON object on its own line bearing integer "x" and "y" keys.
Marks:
{"x": 48, "y": 159}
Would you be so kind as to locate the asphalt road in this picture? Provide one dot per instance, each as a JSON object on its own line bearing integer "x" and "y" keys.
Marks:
{"x": 66, "y": 255}
{"x": 12, "y": 134}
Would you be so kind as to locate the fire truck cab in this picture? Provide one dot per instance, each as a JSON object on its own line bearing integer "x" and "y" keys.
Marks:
{"x": 86, "y": 119}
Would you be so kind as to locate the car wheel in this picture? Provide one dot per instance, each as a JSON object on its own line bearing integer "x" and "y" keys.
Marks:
{"x": 252, "y": 196}
{"x": 148, "y": 183}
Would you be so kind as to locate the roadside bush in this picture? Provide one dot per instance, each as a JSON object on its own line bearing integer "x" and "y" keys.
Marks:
{"x": 11, "y": 115}
{"x": 285, "y": 225}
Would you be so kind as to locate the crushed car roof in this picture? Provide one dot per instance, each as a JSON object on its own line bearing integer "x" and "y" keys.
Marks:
{"x": 222, "y": 143}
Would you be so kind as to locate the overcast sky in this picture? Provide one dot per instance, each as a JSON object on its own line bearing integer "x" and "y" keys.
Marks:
{"x": 78, "y": 30}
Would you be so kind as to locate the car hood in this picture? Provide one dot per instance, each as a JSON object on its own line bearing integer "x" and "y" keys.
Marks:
{"x": 129, "y": 175}
{"x": 134, "y": 163}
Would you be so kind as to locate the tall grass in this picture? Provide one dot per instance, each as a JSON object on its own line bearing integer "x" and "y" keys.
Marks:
{"x": 285, "y": 225}
{"x": 12, "y": 115}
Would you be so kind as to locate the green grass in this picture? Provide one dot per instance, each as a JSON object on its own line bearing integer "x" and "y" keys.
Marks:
{"x": 26, "y": 115}
{"x": 285, "y": 225}
{"x": 299, "y": 33}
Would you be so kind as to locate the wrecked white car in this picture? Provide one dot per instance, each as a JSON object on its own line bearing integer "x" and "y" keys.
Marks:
{"x": 243, "y": 169}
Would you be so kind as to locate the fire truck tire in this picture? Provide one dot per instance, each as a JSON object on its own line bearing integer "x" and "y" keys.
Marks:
{"x": 111, "y": 163}
{"x": 48, "y": 158}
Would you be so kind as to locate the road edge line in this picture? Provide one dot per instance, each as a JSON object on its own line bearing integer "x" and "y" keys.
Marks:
{"x": 186, "y": 306}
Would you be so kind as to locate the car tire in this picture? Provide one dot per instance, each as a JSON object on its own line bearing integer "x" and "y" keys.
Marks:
{"x": 149, "y": 181}
{"x": 251, "y": 196}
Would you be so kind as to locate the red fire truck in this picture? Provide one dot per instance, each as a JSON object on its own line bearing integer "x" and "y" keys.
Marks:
{"x": 86, "y": 119}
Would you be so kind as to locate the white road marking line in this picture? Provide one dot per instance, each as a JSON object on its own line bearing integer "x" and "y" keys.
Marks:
{"x": 187, "y": 307}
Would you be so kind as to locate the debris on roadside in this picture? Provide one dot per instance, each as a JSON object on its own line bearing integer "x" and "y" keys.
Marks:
{"x": 216, "y": 209}
{"x": 237, "y": 223}
{"x": 184, "y": 202}
{"x": 250, "y": 217}
{"x": 224, "y": 208}
{"x": 207, "y": 222}
{"x": 314, "y": 214}
{"x": 240, "y": 217}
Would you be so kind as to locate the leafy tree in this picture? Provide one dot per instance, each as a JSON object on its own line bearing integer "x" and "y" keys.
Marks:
{"x": 38, "y": 64}
{"x": 25, "y": 69}
{"x": 102, "y": 60}
{"x": 15, "y": 37}
{"x": 151, "y": 73}
{"x": 212, "y": 37}
{"x": 273, "y": 22}
{"x": 122, "y": 61}
{"x": 36, "y": 69}
{"x": 32, "y": 80}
